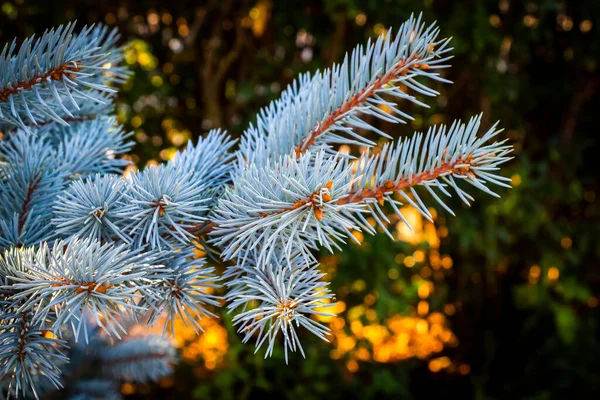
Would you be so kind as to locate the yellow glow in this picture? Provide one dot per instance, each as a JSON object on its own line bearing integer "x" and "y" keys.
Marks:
{"x": 127, "y": 388}
{"x": 423, "y": 308}
{"x": 566, "y": 242}
{"x": 515, "y": 180}
{"x": 136, "y": 121}
{"x": 360, "y": 19}
{"x": 585, "y": 26}
{"x": 156, "y": 80}
{"x": 423, "y": 290}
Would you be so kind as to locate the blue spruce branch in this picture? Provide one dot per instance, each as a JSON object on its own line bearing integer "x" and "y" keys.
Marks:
{"x": 88, "y": 256}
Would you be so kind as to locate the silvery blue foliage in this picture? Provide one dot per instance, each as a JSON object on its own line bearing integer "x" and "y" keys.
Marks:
{"x": 289, "y": 203}
{"x": 333, "y": 99}
{"x": 162, "y": 203}
{"x": 210, "y": 159}
{"x": 90, "y": 207}
{"x": 48, "y": 77}
{"x": 102, "y": 280}
{"x": 287, "y": 296}
{"x": 182, "y": 291}
{"x": 129, "y": 359}
{"x": 92, "y": 146}
{"x": 89, "y": 256}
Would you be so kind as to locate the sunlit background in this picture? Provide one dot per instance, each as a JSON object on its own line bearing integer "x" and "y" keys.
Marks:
{"x": 500, "y": 301}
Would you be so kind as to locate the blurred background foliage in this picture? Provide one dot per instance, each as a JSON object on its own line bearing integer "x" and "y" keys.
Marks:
{"x": 500, "y": 302}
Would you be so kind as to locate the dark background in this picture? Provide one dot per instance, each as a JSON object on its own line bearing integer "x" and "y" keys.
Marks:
{"x": 519, "y": 296}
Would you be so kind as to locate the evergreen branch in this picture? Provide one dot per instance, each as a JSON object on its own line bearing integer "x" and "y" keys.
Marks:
{"x": 210, "y": 160}
{"x": 69, "y": 120}
{"x": 138, "y": 359}
{"x": 286, "y": 296}
{"x": 434, "y": 161}
{"x": 62, "y": 68}
{"x": 317, "y": 200}
{"x": 28, "y": 356}
{"x": 31, "y": 188}
{"x": 268, "y": 206}
{"x": 90, "y": 207}
{"x": 181, "y": 291}
{"x": 402, "y": 68}
{"x": 79, "y": 277}
{"x": 325, "y": 109}
{"x": 56, "y": 74}
{"x": 162, "y": 203}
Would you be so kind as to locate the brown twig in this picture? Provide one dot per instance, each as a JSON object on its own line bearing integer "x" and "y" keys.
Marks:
{"x": 358, "y": 99}
{"x": 378, "y": 192}
{"x": 27, "y": 202}
{"x": 55, "y": 74}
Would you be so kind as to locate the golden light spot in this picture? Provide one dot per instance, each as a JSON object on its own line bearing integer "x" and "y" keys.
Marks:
{"x": 352, "y": 366}
{"x": 136, "y": 121}
{"x": 443, "y": 231}
{"x": 371, "y": 315}
{"x": 534, "y": 273}
{"x": 447, "y": 262}
{"x": 370, "y": 299}
{"x": 258, "y": 18}
{"x": 419, "y": 256}
{"x": 49, "y": 335}
{"x": 553, "y": 273}
{"x": 254, "y": 13}
{"x": 127, "y": 388}
{"x": 530, "y": 21}
{"x": 515, "y": 180}
{"x": 337, "y": 323}
{"x": 356, "y": 327}
{"x": 362, "y": 354}
{"x": 344, "y": 149}
{"x": 183, "y": 30}
{"x": 144, "y": 59}
{"x": 449, "y": 309}
{"x": 359, "y": 236}
{"x": 409, "y": 261}
{"x": 423, "y": 290}
{"x": 564, "y": 22}
{"x": 153, "y": 18}
{"x": 415, "y": 220}
{"x": 434, "y": 366}
{"x": 166, "y": 18}
{"x": 495, "y": 21}
{"x": 393, "y": 273}
{"x": 385, "y": 109}
{"x": 422, "y": 327}
{"x": 156, "y": 80}
{"x": 464, "y": 369}
{"x": 585, "y": 26}
{"x": 566, "y": 242}
{"x": 426, "y": 272}
{"x": 379, "y": 29}
{"x": 423, "y": 308}
{"x": 360, "y": 19}
{"x": 356, "y": 312}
